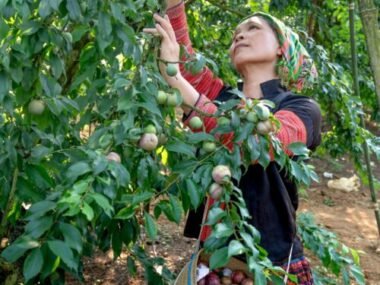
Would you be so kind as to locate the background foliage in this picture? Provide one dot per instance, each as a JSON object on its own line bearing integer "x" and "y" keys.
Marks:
{"x": 96, "y": 74}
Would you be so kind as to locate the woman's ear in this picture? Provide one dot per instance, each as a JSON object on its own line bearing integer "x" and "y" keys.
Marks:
{"x": 279, "y": 51}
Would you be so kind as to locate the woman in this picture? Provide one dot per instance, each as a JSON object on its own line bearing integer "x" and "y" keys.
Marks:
{"x": 270, "y": 60}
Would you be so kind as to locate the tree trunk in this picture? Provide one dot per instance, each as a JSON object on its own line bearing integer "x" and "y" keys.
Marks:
{"x": 369, "y": 16}
{"x": 311, "y": 19}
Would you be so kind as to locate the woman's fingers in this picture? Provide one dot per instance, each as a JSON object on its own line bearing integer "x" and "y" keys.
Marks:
{"x": 166, "y": 25}
{"x": 152, "y": 31}
{"x": 163, "y": 28}
{"x": 162, "y": 32}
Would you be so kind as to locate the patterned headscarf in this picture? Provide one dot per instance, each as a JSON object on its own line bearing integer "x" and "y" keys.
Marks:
{"x": 296, "y": 68}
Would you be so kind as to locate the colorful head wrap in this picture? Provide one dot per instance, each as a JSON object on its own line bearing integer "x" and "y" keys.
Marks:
{"x": 296, "y": 68}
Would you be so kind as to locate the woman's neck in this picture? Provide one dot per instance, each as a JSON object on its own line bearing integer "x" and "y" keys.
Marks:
{"x": 253, "y": 77}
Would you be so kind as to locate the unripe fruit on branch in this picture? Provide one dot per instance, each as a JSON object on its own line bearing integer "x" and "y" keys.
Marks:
{"x": 162, "y": 97}
{"x": 249, "y": 103}
{"x": 222, "y": 121}
{"x": 195, "y": 123}
{"x": 113, "y": 156}
{"x": 262, "y": 112}
{"x": 148, "y": 142}
{"x": 251, "y": 117}
{"x": 171, "y": 69}
{"x": 36, "y": 107}
{"x": 264, "y": 127}
{"x": 216, "y": 191}
{"x": 208, "y": 146}
{"x": 221, "y": 174}
{"x": 172, "y": 100}
{"x": 150, "y": 129}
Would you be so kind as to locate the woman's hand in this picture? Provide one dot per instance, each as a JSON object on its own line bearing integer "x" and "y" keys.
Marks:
{"x": 170, "y": 49}
{"x": 170, "y": 53}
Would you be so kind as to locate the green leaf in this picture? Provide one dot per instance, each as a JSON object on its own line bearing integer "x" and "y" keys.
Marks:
{"x": 5, "y": 85}
{"x": 55, "y": 4}
{"x": 36, "y": 228}
{"x": 40, "y": 208}
{"x": 194, "y": 138}
{"x": 198, "y": 65}
{"x": 248, "y": 241}
{"x": 296, "y": 170}
{"x": 254, "y": 148}
{"x": 131, "y": 265}
{"x": 150, "y": 225}
{"x": 50, "y": 86}
{"x": 74, "y": 9}
{"x": 117, "y": 243}
{"x": 180, "y": 147}
{"x": 298, "y": 149}
{"x": 17, "y": 249}
{"x": 141, "y": 197}
{"x": 264, "y": 158}
{"x": 103, "y": 203}
{"x": 117, "y": 12}
{"x": 244, "y": 132}
{"x": 255, "y": 233}
{"x": 176, "y": 208}
{"x": 62, "y": 250}
{"x": 212, "y": 243}
{"x": 44, "y": 8}
{"x": 223, "y": 230}
{"x": 33, "y": 264}
{"x": 77, "y": 170}
{"x": 215, "y": 215}
{"x": 120, "y": 173}
{"x": 192, "y": 192}
{"x": 104, "y": 24}
{"x": 358, "y": 274}
{"x": 259, "y": 277}
{"x": 72, "y": 236}
{"x": 39, "y": 152}
{"x": 126, "y": 213}
{"x": 219, "y": 258}
{"x": 235, "y": 248}
{"x": 87, "y": 211}
{"x": 355, "y": 255}
{"x": 39, "y": 176}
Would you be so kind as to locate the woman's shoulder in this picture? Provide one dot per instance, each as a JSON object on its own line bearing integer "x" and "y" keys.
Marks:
{"x": 297, "y": 101}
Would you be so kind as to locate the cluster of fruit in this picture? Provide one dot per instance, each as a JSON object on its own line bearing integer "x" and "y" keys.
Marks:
{"x": 258, "y": 114}
{"x": 226, "y": 276}
{"x": 221, "y": 175}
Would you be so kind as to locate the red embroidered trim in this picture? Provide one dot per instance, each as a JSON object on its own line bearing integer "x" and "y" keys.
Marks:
{"x": 292, "y": 129}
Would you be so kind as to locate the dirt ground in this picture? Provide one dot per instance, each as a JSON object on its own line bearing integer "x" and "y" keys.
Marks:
{"x": 348, "y": 214}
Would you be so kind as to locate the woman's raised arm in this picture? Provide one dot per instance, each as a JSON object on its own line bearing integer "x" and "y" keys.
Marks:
{"x": 204, "y": 82}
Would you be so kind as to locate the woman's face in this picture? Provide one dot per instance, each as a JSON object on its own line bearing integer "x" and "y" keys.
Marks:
{"x": 254, "y": 41}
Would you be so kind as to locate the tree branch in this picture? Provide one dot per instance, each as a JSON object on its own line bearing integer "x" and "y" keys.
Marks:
{"x": 216, "y": 3}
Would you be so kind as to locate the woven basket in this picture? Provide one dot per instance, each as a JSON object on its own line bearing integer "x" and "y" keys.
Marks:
{"x": 188, "y": 274}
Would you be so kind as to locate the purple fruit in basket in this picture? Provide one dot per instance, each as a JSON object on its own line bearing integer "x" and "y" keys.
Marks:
{"x": 226, "y": 280}
{"x": 247, "y": 281}
{"x": 213, "y": 279}
{"x": 202, "y": 281}
{"x": 238, "y": 276}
